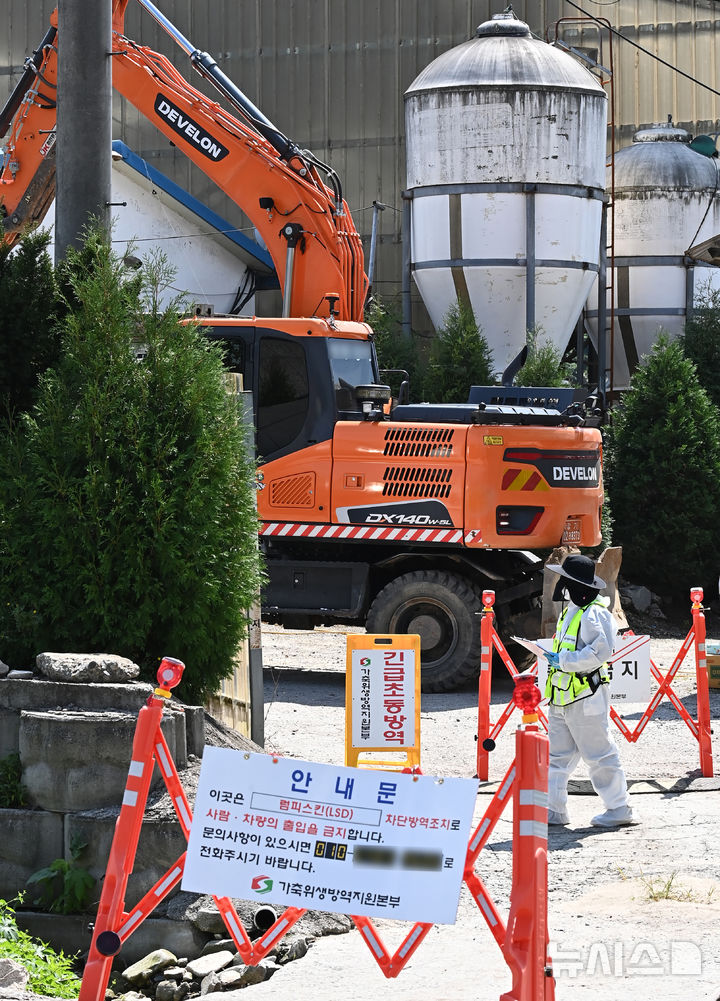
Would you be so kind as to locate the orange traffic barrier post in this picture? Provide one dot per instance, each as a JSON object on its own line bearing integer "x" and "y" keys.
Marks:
{"x": 703, "y": 687}
{"x": 113, "y": 924}
{"x": 486, "y": 733}
{"x": 527, "y": 939}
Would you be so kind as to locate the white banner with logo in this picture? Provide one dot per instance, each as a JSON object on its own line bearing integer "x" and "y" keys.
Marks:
{"x": 347, "y": 840}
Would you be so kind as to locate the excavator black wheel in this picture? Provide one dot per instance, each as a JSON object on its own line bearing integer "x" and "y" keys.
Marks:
{"x": 440, "y": 607}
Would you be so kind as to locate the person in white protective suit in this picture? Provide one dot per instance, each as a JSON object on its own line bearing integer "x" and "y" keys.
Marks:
{"x": 579, "y": 696}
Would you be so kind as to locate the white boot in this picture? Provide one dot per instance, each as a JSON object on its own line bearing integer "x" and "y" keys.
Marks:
{"x": 621, "y": 816}
{"x": 557, "y": 818}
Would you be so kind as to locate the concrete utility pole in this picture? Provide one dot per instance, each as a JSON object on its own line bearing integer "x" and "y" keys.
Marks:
{"x": 84, "y": 120}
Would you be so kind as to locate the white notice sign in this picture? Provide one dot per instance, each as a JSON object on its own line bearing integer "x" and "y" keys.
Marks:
{"x": 346, "y": 840}
{"x": 629, "y": 669}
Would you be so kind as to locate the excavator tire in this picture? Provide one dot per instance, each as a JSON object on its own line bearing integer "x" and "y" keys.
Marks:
{"x": 440, "y": 607}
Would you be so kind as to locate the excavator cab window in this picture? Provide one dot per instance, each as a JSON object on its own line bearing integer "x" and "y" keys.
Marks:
{"x": 351, "y": 364}
{"x": 283, "y": 393}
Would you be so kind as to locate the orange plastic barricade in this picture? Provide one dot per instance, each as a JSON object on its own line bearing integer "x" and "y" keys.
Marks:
{"x": 382, "y": 702}
{"x": 700, "y": 728}
{"x": 487, "y": 734}
{"x": 523, "y": 941}
{"x": 113, "y": 924}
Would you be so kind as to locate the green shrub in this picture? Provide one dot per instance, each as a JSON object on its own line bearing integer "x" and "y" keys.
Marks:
{"x": 128, "y": 521}
{"x": 50, "y": 973}
{"x": 12, "y": 791}
{"x": 663, "y": 464}
{"x": 544, "y": 365}
{"x": 459, "y": 358}
{"x": 395, "y": 350}
{"x": 29, "y": 304}
{"x": 701, "y": 341}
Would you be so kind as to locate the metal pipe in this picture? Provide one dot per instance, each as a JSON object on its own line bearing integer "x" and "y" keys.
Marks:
{"x": 602, "y": 332}
{"x": 378, "y": 207}
{"x": 689, "y": 289}
{"x": 406, "y": 264}
{"x": 530, "y": 257}
{"x": 287, "y": 287}
{"x": 264, "y": 918}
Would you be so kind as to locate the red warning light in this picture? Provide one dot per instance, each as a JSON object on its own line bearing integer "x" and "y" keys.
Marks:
{"x": 526, "y": 695}
{"x": 488, "y": 598}
{"x": 696, "y": 595}
{"x": 170, "y": 672}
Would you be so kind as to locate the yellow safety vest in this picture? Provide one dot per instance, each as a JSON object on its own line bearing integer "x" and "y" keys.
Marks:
{"x": 570, "y": 687}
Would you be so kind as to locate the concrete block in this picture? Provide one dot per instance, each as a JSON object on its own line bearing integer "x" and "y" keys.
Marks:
{"x": 161, "y": 844}
{"x": 37, "y": 693}
{"x": 72, "y": 934}
{"x": 31, "y": 840}
{"x": 75, "y": 761}
{"x": 9, "y": 732}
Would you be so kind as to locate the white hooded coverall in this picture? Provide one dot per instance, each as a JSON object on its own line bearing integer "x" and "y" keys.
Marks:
{"x": 582, "y": 729}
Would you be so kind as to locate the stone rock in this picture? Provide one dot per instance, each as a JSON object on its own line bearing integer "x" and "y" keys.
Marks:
{"x": 165, "y": 990}
{"x": 637, "y": 596}
{"x": 218, "y": 945}
{"x": 20, "y": 675}
{"x": 181, "y": 992}
{"x": 86, "y": 667}
{"x": 131, "y": 996}
{"x": 209, "y": 984}
{"x": 4, "y": 669}
{"x": 212, "y": 963}
{"x": 226, "y": 980}
{"x": 173, "y": 972}
{"x": 291, "y": 949}
{"x": 257, "y": 974}
{"x": 146, "y": 968}
{"x": 12, "y": 974}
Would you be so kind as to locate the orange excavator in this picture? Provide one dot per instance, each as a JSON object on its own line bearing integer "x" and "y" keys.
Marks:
{"x": 372, "y": 511}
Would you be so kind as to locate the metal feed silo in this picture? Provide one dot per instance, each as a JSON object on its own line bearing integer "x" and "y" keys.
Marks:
{"x": 666, "y": 234}
{"x": 506, "y": 168}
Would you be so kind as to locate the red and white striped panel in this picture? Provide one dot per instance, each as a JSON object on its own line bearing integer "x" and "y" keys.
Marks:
{"x": 369, "y": 533}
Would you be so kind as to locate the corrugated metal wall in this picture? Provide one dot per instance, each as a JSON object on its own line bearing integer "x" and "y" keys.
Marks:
{"x": 331, "y": 74}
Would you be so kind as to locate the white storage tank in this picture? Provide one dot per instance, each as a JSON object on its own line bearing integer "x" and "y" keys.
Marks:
{"x": 666, "y": 233}
{"x": 506, "y": 167}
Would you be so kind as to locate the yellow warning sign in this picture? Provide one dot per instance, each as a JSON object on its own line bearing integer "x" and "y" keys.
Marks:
{"x": 382, "y": 701}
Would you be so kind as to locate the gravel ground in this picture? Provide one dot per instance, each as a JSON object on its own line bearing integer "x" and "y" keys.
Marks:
{"x": 609, "y": 937}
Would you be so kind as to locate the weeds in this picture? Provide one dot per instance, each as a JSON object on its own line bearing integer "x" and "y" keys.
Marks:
{"x": 50, "y": 973}
{"x": 660, "y": 888}
{"x": 65, "y": 886}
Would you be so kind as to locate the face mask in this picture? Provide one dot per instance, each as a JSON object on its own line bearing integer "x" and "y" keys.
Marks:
{"x": 581, "y": 594}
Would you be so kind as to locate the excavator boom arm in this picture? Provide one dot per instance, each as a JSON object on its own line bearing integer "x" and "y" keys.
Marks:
{"x": 304, "y": 222}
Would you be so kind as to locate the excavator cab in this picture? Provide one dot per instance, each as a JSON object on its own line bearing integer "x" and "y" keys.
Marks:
{"x": 304, "y": 375}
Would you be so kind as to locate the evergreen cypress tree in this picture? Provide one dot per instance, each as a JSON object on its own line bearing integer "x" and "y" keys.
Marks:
{"x": 701, "y": 341}
{"x": 460, "y": 357}
{"x": 126, "y": 494}
{"x": 663, "y": 466}
{"x": 29, "y": 304}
